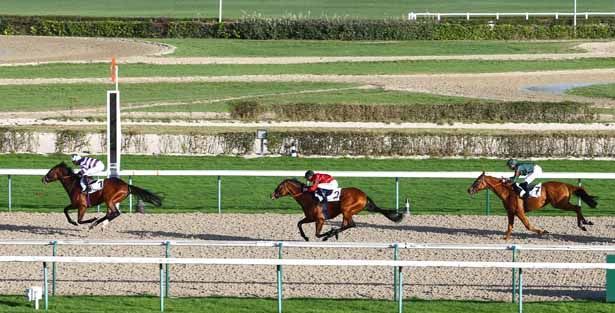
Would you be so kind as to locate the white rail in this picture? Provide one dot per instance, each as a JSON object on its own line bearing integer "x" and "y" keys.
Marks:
{"x": 367, "y": 174}
{"x": 414, "y": 16}
{"x": 258, "y": 173}
{"x": 303, "y": 244}
{"x": 279, "y": 263}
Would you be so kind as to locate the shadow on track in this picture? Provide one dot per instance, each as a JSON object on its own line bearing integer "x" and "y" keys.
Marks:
{"x": 172, "y": 235}
{"x": 40, "y": 230}
{"x": 489, "y": 232}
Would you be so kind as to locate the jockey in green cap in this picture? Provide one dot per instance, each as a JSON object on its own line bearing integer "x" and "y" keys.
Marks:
{"x": 530, "y": 170}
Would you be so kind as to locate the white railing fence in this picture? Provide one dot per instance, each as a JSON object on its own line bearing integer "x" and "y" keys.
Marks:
{"x": 516, "y": 282}
{"x": 257, "y": 173}
{"x": 438, "y": 16}
{"x": 279, "y": 263}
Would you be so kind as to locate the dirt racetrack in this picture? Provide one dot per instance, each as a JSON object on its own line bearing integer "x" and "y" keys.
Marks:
{"x": 334, "y": 282}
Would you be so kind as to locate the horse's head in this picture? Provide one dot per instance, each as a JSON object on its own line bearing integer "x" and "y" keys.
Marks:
{"x": 57, "y": 172}
{"x": 291, "y": 187}
{"x": 479, "y": 184}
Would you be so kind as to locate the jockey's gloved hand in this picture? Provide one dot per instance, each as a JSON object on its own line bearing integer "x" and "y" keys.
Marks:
{"x": 304, "y": 189}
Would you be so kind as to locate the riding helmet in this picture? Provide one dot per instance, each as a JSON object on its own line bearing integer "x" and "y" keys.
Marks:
{"x": 75, "y": 157}
{"x": 309, "y": 174}
{"x": 511, "y": 162}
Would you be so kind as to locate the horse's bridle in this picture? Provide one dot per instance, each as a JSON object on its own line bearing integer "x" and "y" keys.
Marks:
{"x": 294, "y": 195}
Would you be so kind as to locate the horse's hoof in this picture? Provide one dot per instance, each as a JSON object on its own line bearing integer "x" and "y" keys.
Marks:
{"x": 583, "y": 228}
{"x": 306, "y": 238}
{"x": 74, "y": 223}
{"x": 325, "y": 239}
{"x": 588, "y": 223}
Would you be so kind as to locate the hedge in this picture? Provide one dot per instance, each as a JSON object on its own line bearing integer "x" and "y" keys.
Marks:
{"x": 313, "y": 29}
{"x": 546, "y": 112}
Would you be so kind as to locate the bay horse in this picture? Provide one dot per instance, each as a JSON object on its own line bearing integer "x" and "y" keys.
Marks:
{"x": 114, "y": 191}
{"x": 555, "y": 193}
{"x": 352, "y": 201}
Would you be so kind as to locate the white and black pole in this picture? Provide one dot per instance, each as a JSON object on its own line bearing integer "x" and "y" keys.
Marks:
{"x": 114, "y": 126}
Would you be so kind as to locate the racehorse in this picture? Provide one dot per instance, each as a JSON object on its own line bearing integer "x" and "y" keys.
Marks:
{"x": 352, "y": 201}
{"x": 114, "y": 191}
{"x": 555, "y": 193}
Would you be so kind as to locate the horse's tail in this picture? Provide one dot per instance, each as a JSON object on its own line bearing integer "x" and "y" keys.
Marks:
{"x": 390, "y": 214}
{"x": 589, "y": 200}
{"x": 145, "y": 195}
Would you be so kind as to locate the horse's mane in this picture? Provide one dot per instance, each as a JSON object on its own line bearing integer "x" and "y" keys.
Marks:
{"x": 294, "y": 180}
{"x": 67, "y": 168}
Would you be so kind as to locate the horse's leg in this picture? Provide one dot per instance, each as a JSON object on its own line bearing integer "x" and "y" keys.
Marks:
{"x": 511, "y": 222}
{"x": 346, "y": 224}
{"x": 301, "y": 222}
{"x": 526, "y": 223}
{"x": 70, "y": 220}
{"x": 567, "y": 206}
{"x": 319, "y": 224}
{"x": 81, "y": 214}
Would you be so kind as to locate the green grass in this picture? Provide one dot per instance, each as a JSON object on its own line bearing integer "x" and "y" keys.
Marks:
{"x": 252, "y": 194}
{"x": 142, "y": 304}
{"x": 316, "y": 48}
{"x": 314, "y": 8}
{"x": 341, "y": 68}
{"x": 601, "y": 91}
{"x": 79, "y": 96}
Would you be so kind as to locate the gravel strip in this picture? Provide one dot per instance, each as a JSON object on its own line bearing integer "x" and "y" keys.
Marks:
{"x": 332, "y": 282}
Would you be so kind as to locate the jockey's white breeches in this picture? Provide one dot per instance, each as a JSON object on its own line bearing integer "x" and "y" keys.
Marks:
{"x": 533, "y": 175}
{"x": 98, "y": 169}
{"x": 328, "y": 186}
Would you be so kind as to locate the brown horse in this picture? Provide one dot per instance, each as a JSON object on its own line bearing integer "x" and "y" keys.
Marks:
{"x": 352, "y": 201}
{"x": 114, "y": 191}
{"x": 555, "y": 193}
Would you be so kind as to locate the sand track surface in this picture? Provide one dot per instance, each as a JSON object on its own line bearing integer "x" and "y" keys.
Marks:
{"x": 259, "y": 281}
{"x": 38, "y": 50}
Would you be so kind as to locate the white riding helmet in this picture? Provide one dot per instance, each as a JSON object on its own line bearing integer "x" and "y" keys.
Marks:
{"x": 75, "y": 157}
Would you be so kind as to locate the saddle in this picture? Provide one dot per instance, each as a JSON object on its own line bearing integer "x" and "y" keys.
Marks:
{"x": 535, "y": 190}
{"x": 332, "y": 195}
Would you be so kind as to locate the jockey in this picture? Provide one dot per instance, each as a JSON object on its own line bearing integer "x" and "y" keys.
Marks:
{"x": 530, "y": 170}
{"x": 88, "y": 167}
{"x": 322, "y": 183}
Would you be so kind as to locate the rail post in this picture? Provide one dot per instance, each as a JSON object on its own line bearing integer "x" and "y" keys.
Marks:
{"x": 514, "y": 274}
{"x": 161, "y": 287}
{"x": 53, "y": 268}
{"x": 10, "y": 195}
{"x": 45, "y": 291}
{"x": 397, "y": 194}
{"x": 400, "y": 290}
{"x": 130, "y": 195}
{"x": 579, "y": 198}
{"x": 167, "y": 254}
{"x": 219, "y": 195}
{"x": 395, "y": 272}
{"x": 520, "y": 290}
{"x": 488, "y": 203}
{"x": 279, "y": 273}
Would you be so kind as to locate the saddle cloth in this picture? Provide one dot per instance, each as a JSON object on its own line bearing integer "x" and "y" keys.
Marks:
{"x": 333, "y": 197}
{"x": 534, "y": 192}
{"x": 96, "y": 186}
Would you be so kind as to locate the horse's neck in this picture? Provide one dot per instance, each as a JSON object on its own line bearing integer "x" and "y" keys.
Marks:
{"x": 498, "y": 187}
{"x": 69, "y": 182}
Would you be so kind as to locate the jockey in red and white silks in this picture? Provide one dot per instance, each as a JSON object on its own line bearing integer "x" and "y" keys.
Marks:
{"x": 322, "y": 183}
{"x": 88, "y": 167}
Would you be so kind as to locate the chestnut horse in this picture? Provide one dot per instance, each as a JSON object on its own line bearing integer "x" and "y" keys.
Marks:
{"x": 114, "y": 191}
{"x": 352, "y": 201}
{"x": 555, "y": 193}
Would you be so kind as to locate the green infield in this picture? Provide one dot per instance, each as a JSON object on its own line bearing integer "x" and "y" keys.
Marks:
{"x": 143, "y": 304}
{"x": 188, "y": 47}
{"x": 600, "y": 91}
{"x": 314, "y": 8}
{"x": 189, "y": 194}
{"x": 336, "y": 68}
{"x": 92, "y": 96}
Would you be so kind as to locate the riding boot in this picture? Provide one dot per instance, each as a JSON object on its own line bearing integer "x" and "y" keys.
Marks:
{"x": 526, "y": 188}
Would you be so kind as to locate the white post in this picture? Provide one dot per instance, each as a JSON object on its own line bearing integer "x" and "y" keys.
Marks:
{"x": 575, "y": 15}
{"x": 220, "y": 12}
{"x": 117, "y": 77}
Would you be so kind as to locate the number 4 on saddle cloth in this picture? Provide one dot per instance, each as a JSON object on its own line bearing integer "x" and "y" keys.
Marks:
{"x": 333, "y": 196}
{"x": 534, "y": 191}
